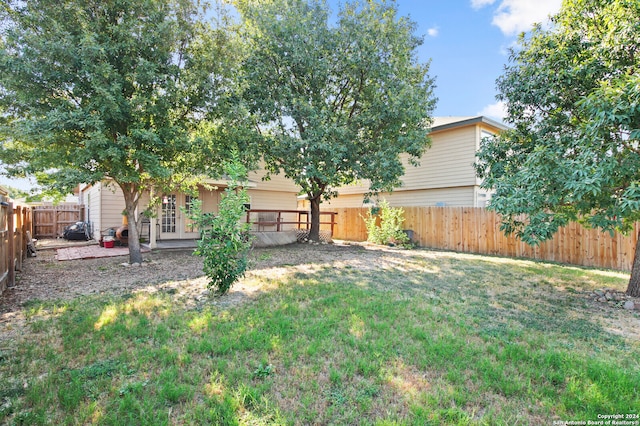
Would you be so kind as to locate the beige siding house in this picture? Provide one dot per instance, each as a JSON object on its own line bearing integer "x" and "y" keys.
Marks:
{"x": 104, "y": 204}
{"x": 445, "y": 176}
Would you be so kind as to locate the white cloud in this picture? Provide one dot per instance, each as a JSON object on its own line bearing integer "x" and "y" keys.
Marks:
{"x": 516, "y": 16}
{"x": 497, "y": 111}
{"x": 433, "y": 32}
{"x": 477, "y": 4}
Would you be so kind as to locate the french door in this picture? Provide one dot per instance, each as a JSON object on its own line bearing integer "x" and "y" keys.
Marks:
{"x": 174, "y": 217}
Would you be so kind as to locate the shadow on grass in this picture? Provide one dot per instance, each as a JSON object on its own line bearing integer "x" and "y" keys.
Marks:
{"x": 345, "y": 336}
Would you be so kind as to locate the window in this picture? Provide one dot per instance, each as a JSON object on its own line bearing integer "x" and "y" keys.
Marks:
{"x": 189, "y": 224}
{"x": 169, "y": 213}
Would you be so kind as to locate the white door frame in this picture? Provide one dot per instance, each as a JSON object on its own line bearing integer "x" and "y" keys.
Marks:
{"x": 174, "y": 223}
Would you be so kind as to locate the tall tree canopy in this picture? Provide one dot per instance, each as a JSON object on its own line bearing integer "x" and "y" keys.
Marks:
{"x": 336, "y": 99}
{"x": 573, "y": 97}
{"x": 116, "y": 89}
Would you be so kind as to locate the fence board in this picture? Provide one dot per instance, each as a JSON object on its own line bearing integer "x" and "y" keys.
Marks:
{"x": 50, "y": 221}
{"x": 477, "y": 230}
{"x": 6, "y": 242}
{"x": 14, "y": 224}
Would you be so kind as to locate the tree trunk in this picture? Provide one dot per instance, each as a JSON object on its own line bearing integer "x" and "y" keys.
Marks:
{"x": 314, "y": 232}
{"x": 135, "y": 255}
{"x": 633, "y": 289}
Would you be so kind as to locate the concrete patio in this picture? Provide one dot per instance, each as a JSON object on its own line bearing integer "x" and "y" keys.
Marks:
{"x": 74, "y": 250}
{"x": 92, "y": 251}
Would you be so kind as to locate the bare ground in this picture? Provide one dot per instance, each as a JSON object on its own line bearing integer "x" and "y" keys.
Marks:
{"x": 179, "y": 272}
{"x": 44, "y": 278}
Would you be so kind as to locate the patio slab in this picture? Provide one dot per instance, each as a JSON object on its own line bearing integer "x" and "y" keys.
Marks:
{"x": 92, "y": 252}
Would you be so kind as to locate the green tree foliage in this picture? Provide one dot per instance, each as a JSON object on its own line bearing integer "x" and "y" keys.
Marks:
{"x": 111, "y": 89}
{"x": 336, "y": 100}
{"x": 224, "y": 236}
{"x": 573, "y": 98}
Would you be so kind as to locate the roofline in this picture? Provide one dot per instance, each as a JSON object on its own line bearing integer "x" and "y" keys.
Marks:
{"x": 481, "y": 119}
{"x": 226, "y": 182}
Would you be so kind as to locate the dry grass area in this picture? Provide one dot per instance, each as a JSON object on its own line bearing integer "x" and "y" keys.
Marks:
{"x": 45, "y": 279}
{"x": 316, "y": 334}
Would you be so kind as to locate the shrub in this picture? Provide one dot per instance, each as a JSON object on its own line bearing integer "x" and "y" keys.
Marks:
{"x": 390, "y": 229}
{"x": 225, "y": 240}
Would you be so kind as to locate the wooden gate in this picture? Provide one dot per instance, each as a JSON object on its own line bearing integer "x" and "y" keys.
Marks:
{"x": 50, "y": 221}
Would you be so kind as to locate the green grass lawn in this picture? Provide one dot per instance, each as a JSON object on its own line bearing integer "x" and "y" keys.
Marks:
{"x": 417, "y": 337}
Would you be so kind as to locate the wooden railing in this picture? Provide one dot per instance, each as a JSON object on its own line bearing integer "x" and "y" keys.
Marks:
{"x": 283, "y": 220}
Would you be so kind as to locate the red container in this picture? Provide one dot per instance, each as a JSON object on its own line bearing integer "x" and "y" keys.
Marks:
{"x": 109, "y": 244}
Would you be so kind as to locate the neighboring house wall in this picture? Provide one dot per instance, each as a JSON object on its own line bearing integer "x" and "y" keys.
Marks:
{"x": 445, "y": 176}
{"x": 447, "y": 163}
{"x": 455, "y": 197}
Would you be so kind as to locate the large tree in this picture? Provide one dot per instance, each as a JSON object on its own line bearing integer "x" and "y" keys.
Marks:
{"x": 572, "y": 92}
{"x": 337, "y": 99}
{"x": 110, "y": 89}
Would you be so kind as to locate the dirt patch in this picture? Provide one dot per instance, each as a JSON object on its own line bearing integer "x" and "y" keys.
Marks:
{"x": 44, "y": 278}
{"x": 179, "y": 273}
{"x": 176, "y": 271}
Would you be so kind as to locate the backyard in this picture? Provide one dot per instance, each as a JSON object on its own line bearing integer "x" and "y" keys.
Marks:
{"x": 318, "y": 334}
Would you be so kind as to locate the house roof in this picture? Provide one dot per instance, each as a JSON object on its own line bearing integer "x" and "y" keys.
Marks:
{"x": 225, "y": 182}
{"x": 443, "y": 123}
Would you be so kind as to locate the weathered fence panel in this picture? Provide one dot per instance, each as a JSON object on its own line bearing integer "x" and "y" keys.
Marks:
{"x": 22, "y": 220}
{"x": 6, "y": 246}
{"x": 477, "y": 230}
{"x": 15, "y": 222}
{"x": 50, "y": 221}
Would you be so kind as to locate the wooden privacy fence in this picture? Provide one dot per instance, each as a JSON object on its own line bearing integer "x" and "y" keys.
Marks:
{"x": 477, "y": 230}
{"x": 14, "y": 225}
{"x": 50, "y": 221}
{"x": 7, "y": 272}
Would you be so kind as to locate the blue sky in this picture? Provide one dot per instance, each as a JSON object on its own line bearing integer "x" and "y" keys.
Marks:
{"x": 467, "y": 42}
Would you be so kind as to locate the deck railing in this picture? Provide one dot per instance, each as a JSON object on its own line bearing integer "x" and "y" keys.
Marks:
{"x": 284, "y": 220}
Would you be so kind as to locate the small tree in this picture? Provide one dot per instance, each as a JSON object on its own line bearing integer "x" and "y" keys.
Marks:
{"x": 224, "y": 237}
{"x": 573, "y": 98}
{"x": 336, "y": 103}
{"x": 389, "y": 229}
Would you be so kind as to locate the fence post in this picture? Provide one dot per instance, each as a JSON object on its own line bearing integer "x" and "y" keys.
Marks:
{"x": 333, "y": 221}
{"x": 55, "y": 223}
{"x": 19, "y": 238}
{"x": 12, "y": 256}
